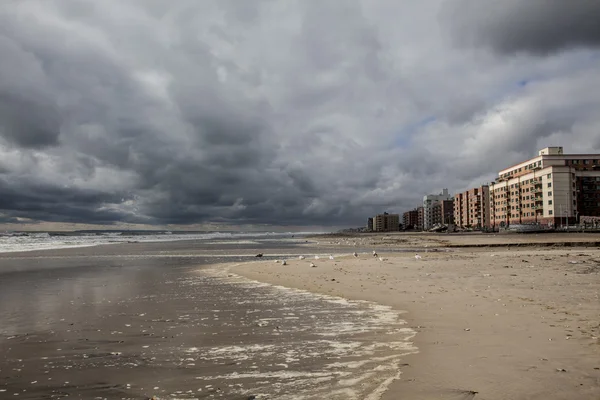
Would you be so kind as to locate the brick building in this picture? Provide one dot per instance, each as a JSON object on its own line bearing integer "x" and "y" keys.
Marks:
{"x": 410, "y": 219}
{"x": 442, "y": 212}
{"x": 472, "y": 208}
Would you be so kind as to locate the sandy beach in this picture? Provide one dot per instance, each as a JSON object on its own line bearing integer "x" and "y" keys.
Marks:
{"x": 498, "y": 322}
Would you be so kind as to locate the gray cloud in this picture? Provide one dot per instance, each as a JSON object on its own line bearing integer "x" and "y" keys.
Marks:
{"x": 281, "y": 113}
{"x": 532, "y": 26}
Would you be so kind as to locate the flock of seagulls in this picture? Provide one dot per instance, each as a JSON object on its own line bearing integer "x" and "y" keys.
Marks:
{"x": 331, "y": 257}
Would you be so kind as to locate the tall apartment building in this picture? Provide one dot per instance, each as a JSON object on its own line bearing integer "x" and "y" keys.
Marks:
{"x": 369, "y": 224}
{"x": 443, "y": 212}
{"x": 552, "y": 188}
{"x": 428, "y": 202}
{"x": 472, "y": 208}
{"x": 410, "y": 219}
{"x": 386, "y": 222}
{"x": 420, "y": 217}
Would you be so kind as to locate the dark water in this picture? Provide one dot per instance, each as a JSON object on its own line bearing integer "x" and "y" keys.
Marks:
{"x": 131, "y": 322}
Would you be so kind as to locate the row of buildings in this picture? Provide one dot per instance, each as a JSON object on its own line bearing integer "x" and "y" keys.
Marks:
{"x": 551, "y": 189}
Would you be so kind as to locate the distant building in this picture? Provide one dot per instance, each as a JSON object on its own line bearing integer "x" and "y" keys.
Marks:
{"x": 370, "y": 224}
{"x": 420, "y": 217}
{"x": 551, "y": 189}
{"x": 443, "y": 212}
{"x": 410, "y": 219}
{"x": 428, "y": 203}
{"x": 386, "y": 222}
{"x": 472, "y": 208}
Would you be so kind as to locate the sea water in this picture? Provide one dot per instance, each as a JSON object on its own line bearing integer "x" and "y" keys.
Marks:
{"x": 134, "y": 326}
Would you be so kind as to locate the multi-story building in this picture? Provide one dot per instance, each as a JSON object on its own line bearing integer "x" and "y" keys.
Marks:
{"x": 551, "y": 189}
{"x": 472, "y": 208}
{"x": 410, "y": 219}
{"x": 370, "y": 224}
{"x": 420, "y": 217}
{"x": 386, "y": 222}
{"x": 443, "y": 212}
{"x": 460, "y": 206}
{"x": 428, "y": 203}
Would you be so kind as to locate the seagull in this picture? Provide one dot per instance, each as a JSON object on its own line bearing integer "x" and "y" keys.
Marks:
{"x": 355, "y": 254}
{"x": 312, "y": 265}
{"x": 380, "y": 259}
{"x": 417, "y": 257}
{"x": 259, "y": 255}
{"x": 374, "y": 254}
{"x": 283, "y": 262}
{"x": 316, "y": 257}
{"x": 301, "y": 257}
{"x": 330, "y": 257}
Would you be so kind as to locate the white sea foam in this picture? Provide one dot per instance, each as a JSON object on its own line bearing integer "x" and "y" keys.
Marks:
{"x": 362, "y": 344}
{"x": 44, "y": 241}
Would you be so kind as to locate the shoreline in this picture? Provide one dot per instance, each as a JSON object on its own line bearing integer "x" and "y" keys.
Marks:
{"x": 516, "y": 323}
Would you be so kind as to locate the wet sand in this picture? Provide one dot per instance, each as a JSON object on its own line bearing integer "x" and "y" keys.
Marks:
{"x": 132, "y": 321}
{"x": 458, "y": 240}
{"x": 495, "y": 323}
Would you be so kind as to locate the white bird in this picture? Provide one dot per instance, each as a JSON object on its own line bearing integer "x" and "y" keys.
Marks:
{"x": 316, "y": 257}
{"x": 283, "y": 262}
{"x": 355, "y": 254}
{"x": 276, "y": 261}
{"x": 380, "y": 259}
{"x": 301, "y": 257}
{"x": 312, "y": 265}
{"x": 417, "y": 257}
{"x": 374, "y": 254}
{"x": 330, "y": 257}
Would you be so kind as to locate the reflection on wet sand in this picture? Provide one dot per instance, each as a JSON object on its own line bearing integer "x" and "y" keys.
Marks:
{"x": 137, "y": 327}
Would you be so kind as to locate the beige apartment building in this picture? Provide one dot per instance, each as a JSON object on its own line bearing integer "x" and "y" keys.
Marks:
{"x": 472, "y": 208}
{"x": 551, "y": 189}
{"x": 386, "y": 222}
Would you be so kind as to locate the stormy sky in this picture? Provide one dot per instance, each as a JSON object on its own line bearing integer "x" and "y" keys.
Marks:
{"x": 283, "y": 113}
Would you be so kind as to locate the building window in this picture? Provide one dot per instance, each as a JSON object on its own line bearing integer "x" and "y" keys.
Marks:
{"x": 549, "y": 176}
{"x": 549, "y": 202}
{"x": 586, "y": 162}
{"x": 550, "y": 212}
{"x": 550, "y": 194}
{"x": 549, "y": 184}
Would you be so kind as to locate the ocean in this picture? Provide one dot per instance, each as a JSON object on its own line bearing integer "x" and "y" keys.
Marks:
{"x": 164, "y": 319}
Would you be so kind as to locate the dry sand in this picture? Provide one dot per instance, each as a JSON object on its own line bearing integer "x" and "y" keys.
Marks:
{"x": 492, "y": 323}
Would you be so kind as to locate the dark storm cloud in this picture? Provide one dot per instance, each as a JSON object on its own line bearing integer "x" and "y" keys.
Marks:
{"x": 284, "y": 113}
{"x": 34, "y": 200}
{"x": 532, "y": 26}
{"x": 28, "y": 115}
